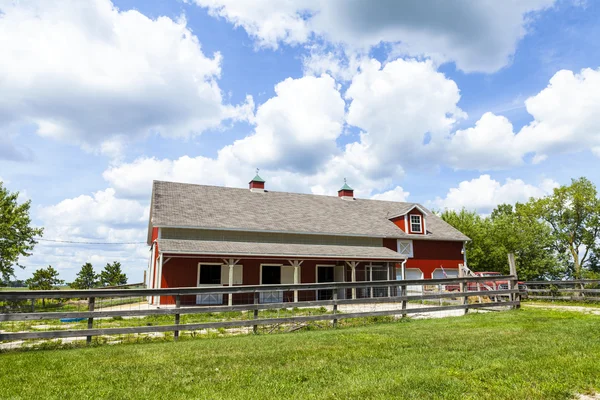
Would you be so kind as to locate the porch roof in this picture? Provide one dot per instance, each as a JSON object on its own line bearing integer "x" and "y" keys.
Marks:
{"x": 279, "y": 250}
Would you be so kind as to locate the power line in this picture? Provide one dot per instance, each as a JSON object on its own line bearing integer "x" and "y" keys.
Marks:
{"x": 82, "y": 242}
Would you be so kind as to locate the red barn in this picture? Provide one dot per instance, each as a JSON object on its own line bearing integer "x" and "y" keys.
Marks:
{"x": 209, "y": 235}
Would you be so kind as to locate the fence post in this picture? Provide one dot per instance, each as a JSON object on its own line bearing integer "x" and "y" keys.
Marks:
{"x": 335, "y": 307}
{"x": 403, "y": 294}
{"x": 256, "y": 299}
{"x": 177, "y": 305}
{"x": 32, "y": 305}
{"x": 91, "y": 303}
{"x": 463, "y": 299}
{"x": 513, "y": 282}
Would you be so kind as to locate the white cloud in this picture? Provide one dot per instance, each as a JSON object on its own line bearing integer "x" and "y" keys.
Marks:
{"x": 565, "y": 113}
{"x": 484, "y": 193}
{"x": 477, "y": 35}
{"x": 396, "y": 194}
{"x": 100, "y": 218}
{"x": 399, "y": 107}
{"x": 294, "y": 142}
{"x": 490, "y": 144}
{"x": 88, "y": 73}
{"x": 296, "y": 129}
{"x": 565, "y": 120}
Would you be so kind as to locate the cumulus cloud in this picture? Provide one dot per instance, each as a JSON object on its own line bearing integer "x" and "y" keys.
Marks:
{"x": 395, "y": 106}
{"x": 484, "y": 193}
{"x": 99, "y": 218}
{"x": 396, "y": 194}
{"x": 565, "y": 120}
{"x": 296, "y": 129}
{"x": 490, "y": 144}
{"x": 477, "y": 35}
{"x": 89, "y": 73}
{"x": 405, "y": 109}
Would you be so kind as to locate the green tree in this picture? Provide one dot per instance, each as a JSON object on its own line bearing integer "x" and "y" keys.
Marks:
{"x": 86, "y": 278}
{"x": 476, "y": 228}
{"x": 516, "y": 230}
{"x": 44, "y": 279}
{"x": 17, "y": 237}
{"x": 573, "y": 215}
{"x": 507, "y": 230}
{"x": 112, "y": 275}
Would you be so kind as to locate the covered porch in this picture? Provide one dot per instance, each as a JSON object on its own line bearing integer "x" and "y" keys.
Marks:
{"x": 195, "y": 263}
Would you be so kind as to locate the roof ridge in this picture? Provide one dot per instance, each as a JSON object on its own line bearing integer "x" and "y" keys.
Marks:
{"x": 284, "y": 192}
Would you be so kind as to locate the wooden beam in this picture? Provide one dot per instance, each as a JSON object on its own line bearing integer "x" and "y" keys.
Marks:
{"x": 66, "y": 294}
{"x": 228, "y": 324}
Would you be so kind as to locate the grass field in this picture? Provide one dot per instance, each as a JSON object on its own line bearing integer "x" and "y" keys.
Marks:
{"x": 525, "y": 354}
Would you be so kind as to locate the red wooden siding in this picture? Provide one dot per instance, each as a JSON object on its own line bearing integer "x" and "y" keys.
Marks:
{"x": 257, "y": 185}
{"x": 431, "y": 254}
{"x": 399, "y": 221}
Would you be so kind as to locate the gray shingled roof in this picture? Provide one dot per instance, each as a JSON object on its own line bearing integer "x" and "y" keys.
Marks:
{"x": 215, "y": 207}
{"x": 282, "y": 250}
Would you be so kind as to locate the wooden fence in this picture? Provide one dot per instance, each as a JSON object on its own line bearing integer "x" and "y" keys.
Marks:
{"x": 572, "y": 290}
{"x": 456, "y": 293}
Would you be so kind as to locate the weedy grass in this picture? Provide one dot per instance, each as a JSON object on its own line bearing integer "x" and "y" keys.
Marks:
{"x": 521, "y": 354}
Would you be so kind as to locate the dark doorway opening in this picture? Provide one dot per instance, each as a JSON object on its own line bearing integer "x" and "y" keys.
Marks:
{"x": 210, "y": 275}
{"x": 325, "y": 274}
{"x": 271, "y": 275}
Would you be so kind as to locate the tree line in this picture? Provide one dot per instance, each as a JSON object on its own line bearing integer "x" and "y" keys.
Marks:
{"x": 553, "y": 237}
{"x": 18, "y": 238}
{"x": 87, "y": 278}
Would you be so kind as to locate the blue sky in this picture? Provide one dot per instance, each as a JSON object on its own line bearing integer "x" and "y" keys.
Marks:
{"x": 468, "y": 105}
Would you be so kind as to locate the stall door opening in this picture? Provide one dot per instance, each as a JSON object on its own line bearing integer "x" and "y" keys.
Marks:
{"x": 271, "y": 275}
{"x": 325, "y": 274}
{"x": 209, "y": 275}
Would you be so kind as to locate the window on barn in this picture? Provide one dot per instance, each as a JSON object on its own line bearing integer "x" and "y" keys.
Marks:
{"x": 415, "y": 224}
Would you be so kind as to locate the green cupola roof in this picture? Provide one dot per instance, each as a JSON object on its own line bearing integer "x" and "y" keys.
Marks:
{"x": 257, "y": 179}
{"x": 345, "y": 187}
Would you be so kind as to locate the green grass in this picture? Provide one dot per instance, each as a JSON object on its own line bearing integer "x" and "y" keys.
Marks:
{"x": 524, "y": 354}
{"x": 568, "y": 303}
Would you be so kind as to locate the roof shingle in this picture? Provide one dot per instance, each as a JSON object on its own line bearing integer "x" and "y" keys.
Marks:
{"x": 281, "y": 250}
{"x": 215, "y": 207}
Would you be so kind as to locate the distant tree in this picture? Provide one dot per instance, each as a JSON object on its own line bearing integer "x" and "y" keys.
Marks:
{"x": 86, "y": 278}
{"x": 573, "y": 215}
{"x": 17, "y": 237}
{"x": 476, "y": 228}
{"x": 44, "y": 279}
{"x": 507, "y": 230}
{"x": 516, "y": 230}
{"x": 112, "y": 275}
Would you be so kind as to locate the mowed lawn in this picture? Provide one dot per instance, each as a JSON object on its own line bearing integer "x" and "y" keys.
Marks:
{"x": 523, "y": 354}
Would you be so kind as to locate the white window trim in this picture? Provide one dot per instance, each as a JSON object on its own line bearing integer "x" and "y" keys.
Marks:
{"x": 411, "y": 253}
{"x": 323, "y": 265}
{"x": 198, "y": 274}
{"x": 415, "y": 223}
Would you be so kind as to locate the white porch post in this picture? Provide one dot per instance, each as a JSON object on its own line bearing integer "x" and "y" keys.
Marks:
{"x": 371, "y": 277}
{"x": 296, "y": 264}
{"x": 159, "y": 274}
{"x": 231, "y": 264}
{"x": 352, "y": 265}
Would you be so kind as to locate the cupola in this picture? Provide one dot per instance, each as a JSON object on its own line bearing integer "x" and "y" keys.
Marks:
{"x": 257, "y": 184}
{"x": 346, "y": 192}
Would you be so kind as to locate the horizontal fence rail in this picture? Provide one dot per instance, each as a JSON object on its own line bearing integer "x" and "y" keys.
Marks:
{"x": 319, "y": 302}
{"x": 586, "y": 290}
{"x": 55, "y": 294}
